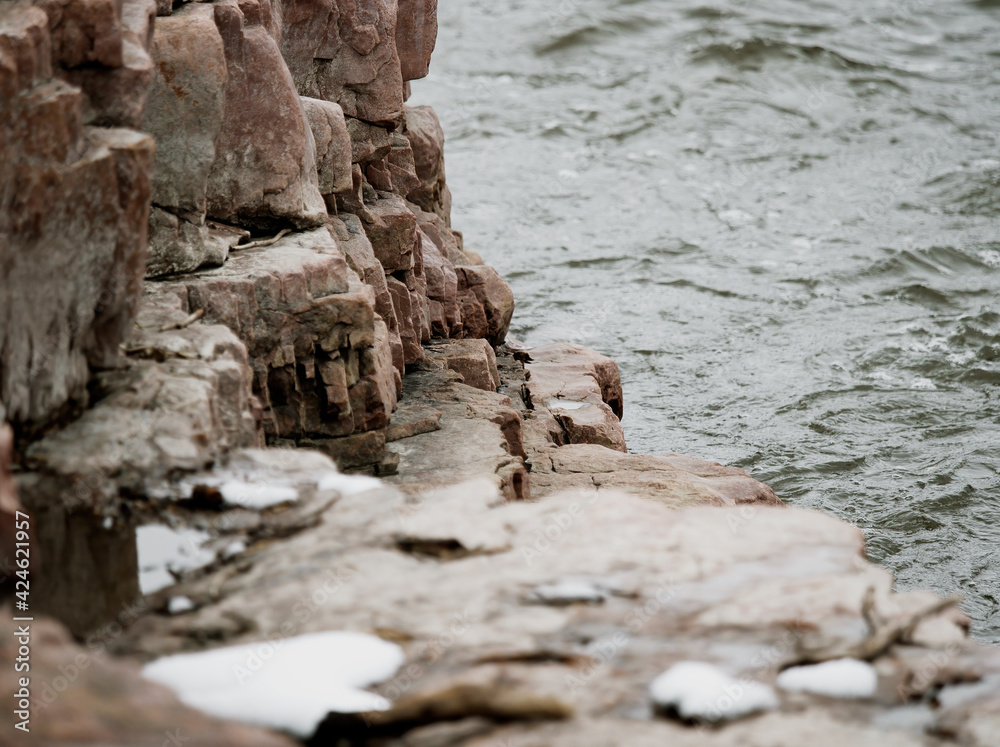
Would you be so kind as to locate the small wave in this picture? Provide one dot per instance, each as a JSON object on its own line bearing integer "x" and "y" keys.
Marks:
{"x": 757, "y": 50}
{"x": 682, "y": 283}
{"x": 972, "y": 190}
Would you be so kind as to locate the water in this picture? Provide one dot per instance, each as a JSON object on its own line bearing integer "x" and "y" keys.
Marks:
{"x": 781, "y": 219}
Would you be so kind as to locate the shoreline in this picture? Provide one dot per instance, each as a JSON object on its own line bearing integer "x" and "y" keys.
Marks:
{"x": 279, "y": 311}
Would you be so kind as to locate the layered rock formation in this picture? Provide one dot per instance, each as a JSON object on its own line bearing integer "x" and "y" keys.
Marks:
{"x": 229, "y": 274}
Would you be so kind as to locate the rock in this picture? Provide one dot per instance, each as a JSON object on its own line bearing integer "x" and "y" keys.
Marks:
{"x": 412, "y": 419}
{"x": 83, "y": 195}
{"x": 178, "y": 408}
{"x": 333, "y": 145}
{"x": 473, "y": 359}
{"x": 734, "y": 587}
{"x": 10, "y": 507}
{"x": 580, "y": 389}
{"x": 400, "y": 165}
{"x": 392, "y": 230}
{"x": 322, "y": 367}
{"x": 352, "y": 452}
{"x": 264, "y": 171}
{"x": 496, "y": 701}
{"x": 369, "y": 143}
{"x": 409, "y": 322}
{"x": 445, "y": 316}
{"x": 676, "y": 480}
{"x": 416, "y": 33}
{"x": 359, "y": 254}
{"x": 176, "y": 245}
{"x": 423, "y": 130}
{"x": 183, "y": 401}
{"x": 357, "y": 65}
{"x": 81, "y": 695}
{"x": 565, "y": 370}
{"x": 184, "y": 111}
{"x": 482, "y": 285}
{"x": 478, "y": 434}
{"x": 116, "y": 95}
{"x": 87, "y": 31}
{"x": 465, "y": 531}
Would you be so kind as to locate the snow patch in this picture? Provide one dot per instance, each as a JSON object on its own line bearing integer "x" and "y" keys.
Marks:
{"x": 697, "y": 690}
{"x": 234, "y": 548}
{"x": 256, "y": 496}
{"x": 564, "y": 404}
{"x": 162, "y": 549}
{"x": 348, "y": 484}
{"x": 570, "y": 591}
{"x": 289, "y": 685}
{"x": 180, "y": 604}
{"x": 840, "y": 678}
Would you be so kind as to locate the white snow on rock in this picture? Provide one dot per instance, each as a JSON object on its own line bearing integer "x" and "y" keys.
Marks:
{"x": 162, "y": 549}
{"x": 257, "y": 496}
{"x": 697, "y": 690}
{"x": 286, "y": 684}
{"x": 234, "y": 548}
{"x": 564, "y": 404}
{"x": 569, "y": 591}
{"x": 840, "y": 678}
{"x": 179, "y": 604}
{"x": 348, "y": 484}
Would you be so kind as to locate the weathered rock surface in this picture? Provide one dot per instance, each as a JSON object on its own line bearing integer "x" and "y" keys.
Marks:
{"x": 581, "y": 389}
{"x": 473, "y": 359}
{"x": 423, "y": 130}
{"x": 478, "y": 432}
{"x": 416, "y": 33}
{"x": 184, "y": 112}
{"x": 83, "y": 194}
{"x": 9, "y": 508}
{"x": 452, "y": 576}
{"x": 264, "y": 172}
{"x": 181, "y": 403}
{"x": 321, "y": 359}
{"x": 333, "y": 146}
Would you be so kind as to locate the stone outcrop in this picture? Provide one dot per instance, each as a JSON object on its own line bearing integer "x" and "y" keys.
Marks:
{"x": 288, "y": 116}
{"x": 82, "y": 193}
{"x": 544, "y": 622}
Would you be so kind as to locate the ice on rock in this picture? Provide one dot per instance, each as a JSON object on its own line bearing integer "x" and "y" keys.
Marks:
{"x": 285, "y": 684}
{"x": 348, "y": 484}
{"x": 257, "y": 496}
{"x": 177, "y": 605}
{"x": 234, "y": 548}
{"x": 570, "y": 591}
{"x": 696, "y": 690}
{"x": 162, "y": 549}
{"x": 554, "y": 403}
{"x": 840, "y": 678}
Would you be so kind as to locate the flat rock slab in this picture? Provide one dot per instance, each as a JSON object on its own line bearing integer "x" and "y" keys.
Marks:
{"x": 455, "y": 576}
{"x": 477, "y": 434}
{"x": 580, "y": 388}
{"x": 473, "y": 359}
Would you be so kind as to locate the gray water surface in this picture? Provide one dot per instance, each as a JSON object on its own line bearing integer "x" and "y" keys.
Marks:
{"x": 782, "y": 219}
